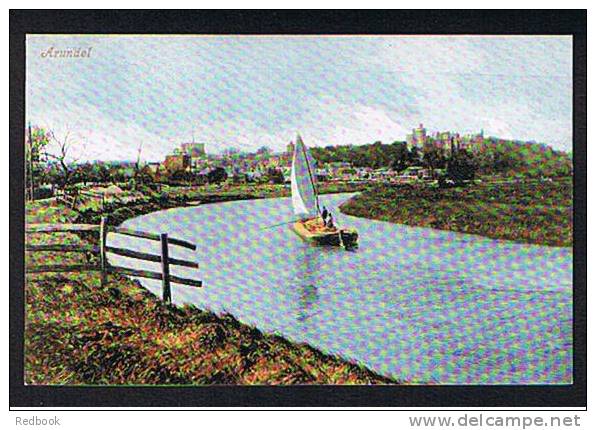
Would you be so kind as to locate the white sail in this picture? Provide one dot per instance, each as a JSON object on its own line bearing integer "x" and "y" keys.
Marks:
{"x": 304, "y": 198}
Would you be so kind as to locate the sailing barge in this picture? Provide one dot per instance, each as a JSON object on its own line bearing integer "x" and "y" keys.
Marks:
{"x": 305, "y": 201}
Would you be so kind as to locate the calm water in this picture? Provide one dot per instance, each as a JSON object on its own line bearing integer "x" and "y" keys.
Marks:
{"x": 421, "y": 305}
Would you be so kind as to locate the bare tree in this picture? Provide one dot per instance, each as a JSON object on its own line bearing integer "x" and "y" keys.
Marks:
{"x": 67, "y": 169}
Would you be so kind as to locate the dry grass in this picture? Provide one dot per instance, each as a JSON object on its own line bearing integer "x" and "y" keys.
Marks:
{"x": 79, "y": 332}
{"x": 530, "y": 212}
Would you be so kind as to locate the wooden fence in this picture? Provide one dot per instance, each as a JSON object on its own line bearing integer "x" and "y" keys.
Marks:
{"x": 100, "y": 197}
{"x": 69, "y": 198}
{"x": 73, "y": 196}
{"x": 103, "y": 229}
{"x": 93, "y": 195}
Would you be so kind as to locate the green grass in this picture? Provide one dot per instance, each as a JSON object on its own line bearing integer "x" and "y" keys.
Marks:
{"x": 78, "y": 332}
{"x": 530, "y": 212}
{"x": 89, "y": 210}
{"x": 252, "y": 191}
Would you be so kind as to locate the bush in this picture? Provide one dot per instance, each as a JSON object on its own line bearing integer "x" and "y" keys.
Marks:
{"x": 460, "y": 168}
{"x": 42, "y": 193}
{"x": 275, "y": 176}
{"x": 163, "y": 198}
{"x": 217, "y": 175}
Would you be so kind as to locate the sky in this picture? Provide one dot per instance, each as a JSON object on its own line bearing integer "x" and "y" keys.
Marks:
{"x": 249, "y": 91}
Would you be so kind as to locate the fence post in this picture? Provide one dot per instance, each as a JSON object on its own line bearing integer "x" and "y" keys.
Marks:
{"x": 103, "y": 232}
{"x": 165, "y": 269}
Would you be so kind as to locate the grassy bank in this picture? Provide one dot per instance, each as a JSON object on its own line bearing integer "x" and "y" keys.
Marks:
{"x": 150, "y": 201}
{"x": 78, "y": 332}
{"x": 530, "y": 212}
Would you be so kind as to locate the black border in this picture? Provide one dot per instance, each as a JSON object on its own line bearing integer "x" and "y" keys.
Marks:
{"x": 559, "y": 22}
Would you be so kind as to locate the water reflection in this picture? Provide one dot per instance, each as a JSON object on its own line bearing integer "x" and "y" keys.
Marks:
{"x": 307, "y": 275}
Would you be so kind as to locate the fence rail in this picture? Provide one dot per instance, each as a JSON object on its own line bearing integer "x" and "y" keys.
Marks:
{"x": 63, "y": 248}
{"x": 68, "y": 198}
{"x": 92, "y": 194}
{"x": 152, "y": 236}
{"x": 54, "y": 268}
{"x": 154, "y": 275}
{"x": 57, "y": 228}
{"x": 150, "y": 257}
{"x": 100, "y": 197}
{"x": 103, "y": 249}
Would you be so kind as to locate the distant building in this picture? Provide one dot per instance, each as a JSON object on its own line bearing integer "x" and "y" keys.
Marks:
{"x": 420, "y": 134}
{"x": 177, "y": 162}
{"x": 154, "y": 166}
{"x": 290, "y": 148}
{"x": 417, "y": 138}
{"x": 446, "y": 141}
{"x": 195, "y": 150}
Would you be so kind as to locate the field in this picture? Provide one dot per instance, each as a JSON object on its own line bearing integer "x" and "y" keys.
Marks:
{"x": 78, "y": 332}
{"x": 538, "y": 212}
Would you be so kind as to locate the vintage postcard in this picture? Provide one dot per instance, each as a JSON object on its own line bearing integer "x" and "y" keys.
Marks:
{"x": 298, "y": 210}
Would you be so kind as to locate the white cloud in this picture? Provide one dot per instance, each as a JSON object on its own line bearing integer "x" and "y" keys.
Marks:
{"x": 97, "y": 136}
{"x": 522, "y": 56}
{"x": 512, "y": 87}
{"x": 251, "y": 92}
{"x": 336, "y": 123}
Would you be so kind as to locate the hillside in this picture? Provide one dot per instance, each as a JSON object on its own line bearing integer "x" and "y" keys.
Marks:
{"x": 491, "y": 156}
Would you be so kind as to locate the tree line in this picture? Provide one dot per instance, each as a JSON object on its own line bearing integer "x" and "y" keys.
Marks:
{"x": 489, "y": 157}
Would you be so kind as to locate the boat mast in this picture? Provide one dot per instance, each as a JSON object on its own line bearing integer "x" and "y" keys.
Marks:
{"x": 312, "y": 182}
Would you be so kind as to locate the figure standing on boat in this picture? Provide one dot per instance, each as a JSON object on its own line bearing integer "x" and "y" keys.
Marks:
{"x": 330, "y": 222}
{"x": 324, "y": 215}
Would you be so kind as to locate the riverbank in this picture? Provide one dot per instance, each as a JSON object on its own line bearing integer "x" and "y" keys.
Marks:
{"x": 151, "y": 201}
{"x": 536, "y": 212}
{"x": 79, "y": 332}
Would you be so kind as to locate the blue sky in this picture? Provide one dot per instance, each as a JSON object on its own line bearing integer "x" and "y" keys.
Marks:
{"x": 246, "y": 92}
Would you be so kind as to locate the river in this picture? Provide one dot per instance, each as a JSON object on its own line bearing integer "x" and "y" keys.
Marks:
{"x": 420, "y": 305}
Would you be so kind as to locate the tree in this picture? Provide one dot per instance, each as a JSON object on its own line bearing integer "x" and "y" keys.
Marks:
{"x": 67, "y": 169}
{"x": 85, "y": 173}
{"x": 37, "y": 139}
{"x": 231, "y": 152}
{"x": 265, "y": 150}
{"x": 413, "y": 155}
{"x": 376, "y": 156}
{"x": 461, "y": 167}
{"x": 116, "y": 173}
{"x": 179, "y": 176}
{"x": 275, "y": 176}
{"x": 104, "y": 173}
{"x": 217, "y": 175}
{"x": 400, "y": 156}
{"x": 433, "y": 158}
